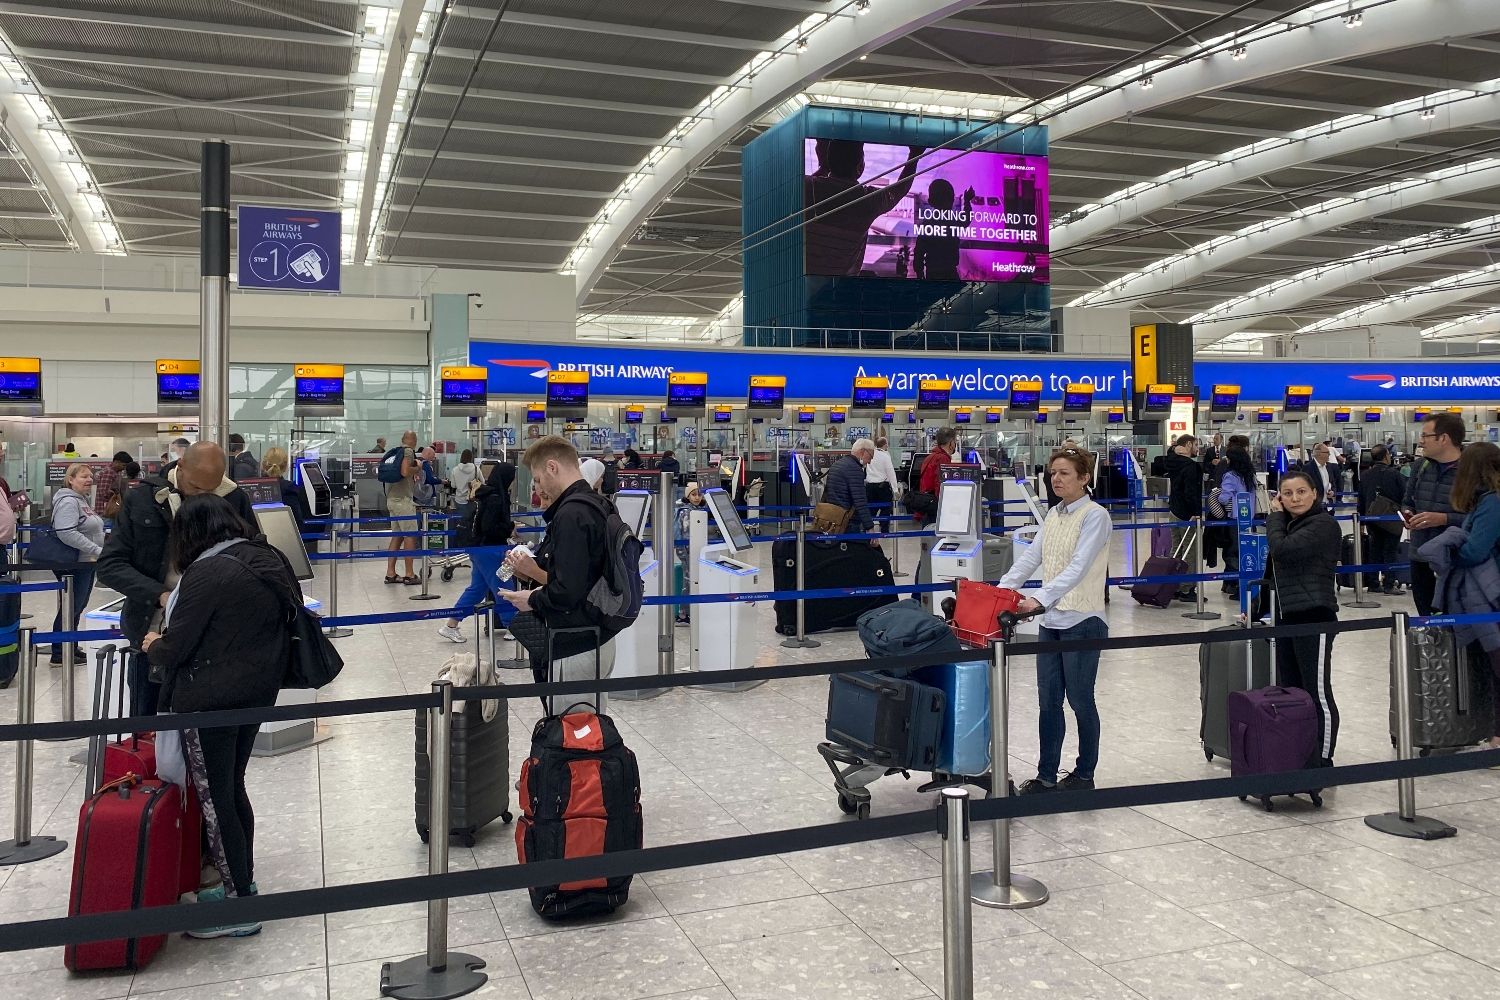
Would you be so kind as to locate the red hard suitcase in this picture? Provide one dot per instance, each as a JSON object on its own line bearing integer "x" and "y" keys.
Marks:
{"x": 128, "y": 855}
{"x": 136, "y": 755}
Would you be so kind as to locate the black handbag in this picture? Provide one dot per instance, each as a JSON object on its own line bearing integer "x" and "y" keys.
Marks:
{"x": 921, "y": 503}
{"x": 46, "y": 550}
{"x": 313, "y": 662}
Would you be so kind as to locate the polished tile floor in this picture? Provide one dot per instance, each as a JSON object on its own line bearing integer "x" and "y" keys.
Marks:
{"x": 1179, "y": 902}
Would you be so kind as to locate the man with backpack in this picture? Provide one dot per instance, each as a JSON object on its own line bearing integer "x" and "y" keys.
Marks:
{"x": 399, "y": 471}
{"x": 587, "y": 565}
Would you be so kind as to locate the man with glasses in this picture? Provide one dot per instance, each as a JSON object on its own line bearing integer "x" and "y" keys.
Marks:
{"x": 1428, "y": 504}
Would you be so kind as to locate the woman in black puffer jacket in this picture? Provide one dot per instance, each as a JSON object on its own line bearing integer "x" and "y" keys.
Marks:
{"x": 1305, "y": 543}
{"x": 225, "y": 645}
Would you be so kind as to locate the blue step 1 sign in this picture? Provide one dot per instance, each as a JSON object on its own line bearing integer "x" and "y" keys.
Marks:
{"x": 295, "y": 249}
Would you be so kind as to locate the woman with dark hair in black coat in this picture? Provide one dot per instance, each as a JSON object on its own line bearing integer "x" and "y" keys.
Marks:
{"x": 1304, "y": 543}
{"x": 225, "y": 644}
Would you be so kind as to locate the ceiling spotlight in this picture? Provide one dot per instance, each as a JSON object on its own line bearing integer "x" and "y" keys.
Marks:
{"x": 1354, "y": 19}
{"x": 861, "y": 7}
{"x": 802, "y": 45}
{"x": 1429, "y": 113}
{"x": 863, "y": 56}
{"x": 1240, "y": 53}
{"x": 1147, "y": 82}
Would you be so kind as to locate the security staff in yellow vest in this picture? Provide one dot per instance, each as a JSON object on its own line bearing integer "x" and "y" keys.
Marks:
{"x": 1072, "y": 551}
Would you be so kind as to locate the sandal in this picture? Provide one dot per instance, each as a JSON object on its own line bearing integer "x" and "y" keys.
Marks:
{"x": 393, "y": 579}
{"x": 411, "y": 581}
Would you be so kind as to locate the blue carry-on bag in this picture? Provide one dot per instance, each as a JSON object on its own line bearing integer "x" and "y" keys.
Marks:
{"x": 964, "y": 742}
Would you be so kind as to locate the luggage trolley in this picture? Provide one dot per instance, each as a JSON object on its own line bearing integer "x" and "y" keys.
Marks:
{"x": 959, "y": 691}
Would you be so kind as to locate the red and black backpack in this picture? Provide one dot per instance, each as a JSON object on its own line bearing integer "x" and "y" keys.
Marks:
{"x": 580, "y": 797}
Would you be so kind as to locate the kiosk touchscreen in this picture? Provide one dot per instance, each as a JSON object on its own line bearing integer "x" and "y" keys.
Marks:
{"x": 314, "y": 486}
{"x": 279, "y": 526}
{"x": 634, "y": 507}
{"x": 723, "y": 632}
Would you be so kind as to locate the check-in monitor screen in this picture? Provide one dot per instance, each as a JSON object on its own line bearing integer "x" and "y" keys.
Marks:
{"x": 1078, "y": 402}
{"x": 1025, "y": 400}
{"x": 634, "y": 507}
{"x": 730, "y": 525}
{"x": 933, "y": 399}
{"x": 955, "y": 514}
{"x": 868, "y": 397}
{"x": 766, "y": 397}
{"x": 321, "y": 391}
{"x": 1298, "y": 402}
{"x": 280, "y": 528}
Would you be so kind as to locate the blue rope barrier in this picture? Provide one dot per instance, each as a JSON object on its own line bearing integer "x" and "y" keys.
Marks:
{"x": 29, "y": 588}
{"x": 1432, "y": 621}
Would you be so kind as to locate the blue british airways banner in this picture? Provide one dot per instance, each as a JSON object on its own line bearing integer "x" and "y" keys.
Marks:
{"x": 639, "y": 374}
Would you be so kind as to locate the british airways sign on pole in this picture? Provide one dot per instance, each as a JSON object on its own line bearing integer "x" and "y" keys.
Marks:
{"x": 294, "y": 249}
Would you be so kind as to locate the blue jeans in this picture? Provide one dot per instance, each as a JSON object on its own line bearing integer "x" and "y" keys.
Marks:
{"x": 482, "y": 581}
{"x": 1070, "y": 675}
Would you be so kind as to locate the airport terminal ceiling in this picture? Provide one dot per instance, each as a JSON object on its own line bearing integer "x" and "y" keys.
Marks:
{"x": 1228, "y": 152}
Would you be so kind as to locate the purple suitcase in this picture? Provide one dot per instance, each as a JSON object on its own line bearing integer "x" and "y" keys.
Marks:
{"x": 1159, "y": 595}
{"x": 1272, "y": 730}
{"x": 1161, "y": 540}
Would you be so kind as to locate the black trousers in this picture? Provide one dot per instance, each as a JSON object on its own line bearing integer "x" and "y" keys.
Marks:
{"x": 1306, "y": 662}
{"x": 1381, "y": 548}
{"x": 884, "y": 494}
{"x": 226, "y": 753}
{"x": 1423, "y": 587}
{"x": 144, "y": 692}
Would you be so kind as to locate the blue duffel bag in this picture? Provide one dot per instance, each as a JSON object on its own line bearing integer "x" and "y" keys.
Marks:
{"x": 964, "y": 743}
{"x": 904, "y": 628}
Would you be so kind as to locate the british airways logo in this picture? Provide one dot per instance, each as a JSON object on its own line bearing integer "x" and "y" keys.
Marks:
{"x": 1384, "y": 381}
{"x": 541, "y": 368}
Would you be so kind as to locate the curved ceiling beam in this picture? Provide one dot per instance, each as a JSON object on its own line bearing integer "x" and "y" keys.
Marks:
{"x": 1213, "y": 325}
{"x": 829, "y": 41}
{"x": 1395, "y": 123}
{"x": 1221, "y": 252}
{"x": 1480, "y": 324}
{"x": 1418, "y": 300}
{"x": 398, "y": 34}
{"x": 55, "y": 170}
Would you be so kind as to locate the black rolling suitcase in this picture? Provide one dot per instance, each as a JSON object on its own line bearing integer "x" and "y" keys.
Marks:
{"x": 478, "y": 769}
{"x": 580, "y": 793}
{"x": 1451, "y": 703}
{"x": 1222, "y": 671}
{"x": 829, "y": 564}
{"x": 893, "y": 722}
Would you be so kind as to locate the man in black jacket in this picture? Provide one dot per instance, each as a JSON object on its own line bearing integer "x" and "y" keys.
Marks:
{"x": 845, "y": 487}
{"x": 1429, "y": 499}
{"x": 1185, "y": 498}
{"x": 135, "y": 559}
{"x": 569, "y": 561}
{"x": 1383, "y": 537}
{"x": 1327, "y": 475}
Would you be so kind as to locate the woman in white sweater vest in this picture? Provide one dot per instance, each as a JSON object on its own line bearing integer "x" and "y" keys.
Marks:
{"x": 1072, "y": 552}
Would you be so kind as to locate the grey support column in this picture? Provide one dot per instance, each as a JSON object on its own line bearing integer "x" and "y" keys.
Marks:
{"x": 213, "y": 300}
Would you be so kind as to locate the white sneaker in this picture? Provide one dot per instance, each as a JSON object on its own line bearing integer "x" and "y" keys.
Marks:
{"x": 452, "y": 634}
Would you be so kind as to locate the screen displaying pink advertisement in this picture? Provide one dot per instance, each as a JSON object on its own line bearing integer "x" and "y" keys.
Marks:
{"x": 948, "y": 215}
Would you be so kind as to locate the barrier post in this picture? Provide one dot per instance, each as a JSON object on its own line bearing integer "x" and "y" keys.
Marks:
{"x": 69, "y": 648}
{"x": 1200, "y": 613}
{"x": 25, "y": 848}
{"x": 1360, "y": 600}
{"x": 426, "y": 594}
{"x": 334, "y": 631}
{"x": 664, "y": 532}
{"x": 1405, "y": 822}
{"x": 800, "y": 640}
{"x": 23, "y": 528}
{"x": 958, "y": 927}
{"x": 439, "y": 974}
{"x": 998, "y": 888}
{"x": 896, "y": 555}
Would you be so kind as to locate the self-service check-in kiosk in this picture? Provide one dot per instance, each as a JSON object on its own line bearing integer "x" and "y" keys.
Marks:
{"x": 279, "y": 525}
{"x": 958, "y": 552}
{"x": 314, "y": 486}
{"x": 636, "y": 647}
{"x": 724, "y": 632}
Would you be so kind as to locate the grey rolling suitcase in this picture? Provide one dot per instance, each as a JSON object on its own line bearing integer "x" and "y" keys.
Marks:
{"x": 478, "y": 771}
{"x": 1451, "y": 703}
{"x": 1222, "y": 671}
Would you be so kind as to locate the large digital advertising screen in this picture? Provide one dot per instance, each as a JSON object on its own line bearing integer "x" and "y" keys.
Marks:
{"x": 947, "y": 215}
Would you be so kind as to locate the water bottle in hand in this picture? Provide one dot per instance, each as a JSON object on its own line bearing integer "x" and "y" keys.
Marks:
{"x": 507, "y": 571}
